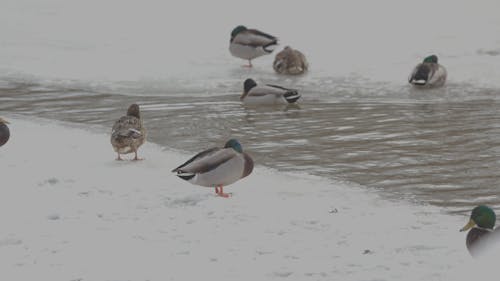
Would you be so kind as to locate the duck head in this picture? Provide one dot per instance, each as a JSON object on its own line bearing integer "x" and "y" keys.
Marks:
{"x": 3, "y": 121}
{"x": 247, "y": 86}
{"x": 481, "y": 216}
{"x": 133, "y": 110}
{"x": 431, "y": 59}
{"x": 236, "y": 30}
{"x": 234, "y": 144}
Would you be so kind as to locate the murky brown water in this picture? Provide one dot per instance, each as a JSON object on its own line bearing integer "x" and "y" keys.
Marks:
{"x": 440, "y": 152}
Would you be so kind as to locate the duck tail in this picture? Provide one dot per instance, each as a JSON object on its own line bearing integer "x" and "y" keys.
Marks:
{"x": 421, "y": 76}
{"x": 291, "y": 96}
{"x": 185, "y": 176}
{"x": 269, "y": 48}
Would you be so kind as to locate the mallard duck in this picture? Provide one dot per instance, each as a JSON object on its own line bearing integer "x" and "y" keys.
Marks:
{"x": 290, "y": 61}
{"x": 267, "y": 94}
{"x": 4, "y": 132}
{"x": 429, "y": 73}
{"x": 481, "y": 223}
{"x": 128, "y": 133}
{"x": 217, "y": 167}
{"x": 250, "y": 43}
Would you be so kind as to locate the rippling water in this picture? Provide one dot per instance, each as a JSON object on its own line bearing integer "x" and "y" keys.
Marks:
{"x": 440, "y": 147}
{"x": 358, "y": 120}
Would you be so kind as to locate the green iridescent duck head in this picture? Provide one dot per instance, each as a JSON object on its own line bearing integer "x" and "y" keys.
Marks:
{"x": 234, "y": 144}
{"x": 481, "y": 216}
{"x": 431, "y": 58}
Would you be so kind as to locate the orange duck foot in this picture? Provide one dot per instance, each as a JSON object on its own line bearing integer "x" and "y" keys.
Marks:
{"x": 220, "y": 192}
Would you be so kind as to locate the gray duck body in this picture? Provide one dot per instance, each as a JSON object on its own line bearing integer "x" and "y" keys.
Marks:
{"x": 479, "y": 239}
{"x": 268, "y": 94}
{"x": 428, "y": 74}
{"x": 250, "y": 43}
{"x": 216, "y": 167}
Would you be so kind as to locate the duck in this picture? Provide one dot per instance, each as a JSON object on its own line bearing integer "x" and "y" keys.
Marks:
{"x": 429, "y": 73}
{"x": 217, "y": 167}
{"x": 4, "y": 132}
{"x": 267, "y": 94}
{"x": 128, "y": 133}
{"x": 290, "y": 61}
{"x": 481, "y": 230}
{"x": 251, "y": 43}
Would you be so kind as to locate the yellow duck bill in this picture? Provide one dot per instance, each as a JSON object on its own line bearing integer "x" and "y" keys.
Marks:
{"x": 468, "y": 226}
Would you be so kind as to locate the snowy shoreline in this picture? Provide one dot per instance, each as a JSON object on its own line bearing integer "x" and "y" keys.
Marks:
{"x": 71, "y": 212}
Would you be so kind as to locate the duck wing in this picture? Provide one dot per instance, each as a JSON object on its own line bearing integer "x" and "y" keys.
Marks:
{"x": 260, "y": 91}
{"x": 281, "y": 88}
{"x": 290, "y": 95}
{"x": 422, "y": 74}
{"x": 209, "y": 160}
{"x": 127, "y": 127}
{"x": 198, "y": 156}
{"x": 255, "y": 38}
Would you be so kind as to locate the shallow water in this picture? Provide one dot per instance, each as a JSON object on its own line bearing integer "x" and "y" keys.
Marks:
{"x": 358, "y": 119}
{"x": 439, "y": 147}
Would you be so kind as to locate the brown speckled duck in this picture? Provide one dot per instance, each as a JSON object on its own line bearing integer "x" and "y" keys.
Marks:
{"x": 481, "y": 235}
{"x": 217, "y": 167}
{"x": 128, "y": 133}
{"x": 290, "y": 61}
{"x": 4, "y": 132}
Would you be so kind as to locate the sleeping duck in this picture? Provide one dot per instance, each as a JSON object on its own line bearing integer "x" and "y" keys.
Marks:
{"x": 429, "y": 73}
{"x": 128, "y": 133}
{"x": 481, "y": 235}
{"x": 290, "y": 61}
{"x": 250, "y": 43}
{"x": 4, "y": 132}
{"x": 267, "y": 94}
{"x": 217, "y": 167}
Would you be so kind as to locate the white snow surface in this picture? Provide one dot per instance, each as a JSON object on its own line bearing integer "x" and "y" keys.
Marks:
{"x": 69, "y": 211}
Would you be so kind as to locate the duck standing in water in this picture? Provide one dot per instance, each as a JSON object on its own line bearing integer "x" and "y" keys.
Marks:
{"x": 482, "y": 234}
{"x": 428, "y": 74}
{"x": 290, "y": 61}
{"x": 251, "y": 43}
{"x": 267, "y": 94}
{"x": 217, "y": 167}
{"x": 4, "y": 132}
{"x": 128, "y": 133}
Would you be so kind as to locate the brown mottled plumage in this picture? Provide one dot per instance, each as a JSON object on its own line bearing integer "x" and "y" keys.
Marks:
{"x": 290, "y": 61}
{"x": 4, "y": 132}
{"x": 128, "y": 133}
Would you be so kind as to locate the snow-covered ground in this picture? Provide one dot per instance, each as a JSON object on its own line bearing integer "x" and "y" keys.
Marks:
{"x": 69, "y": 211}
